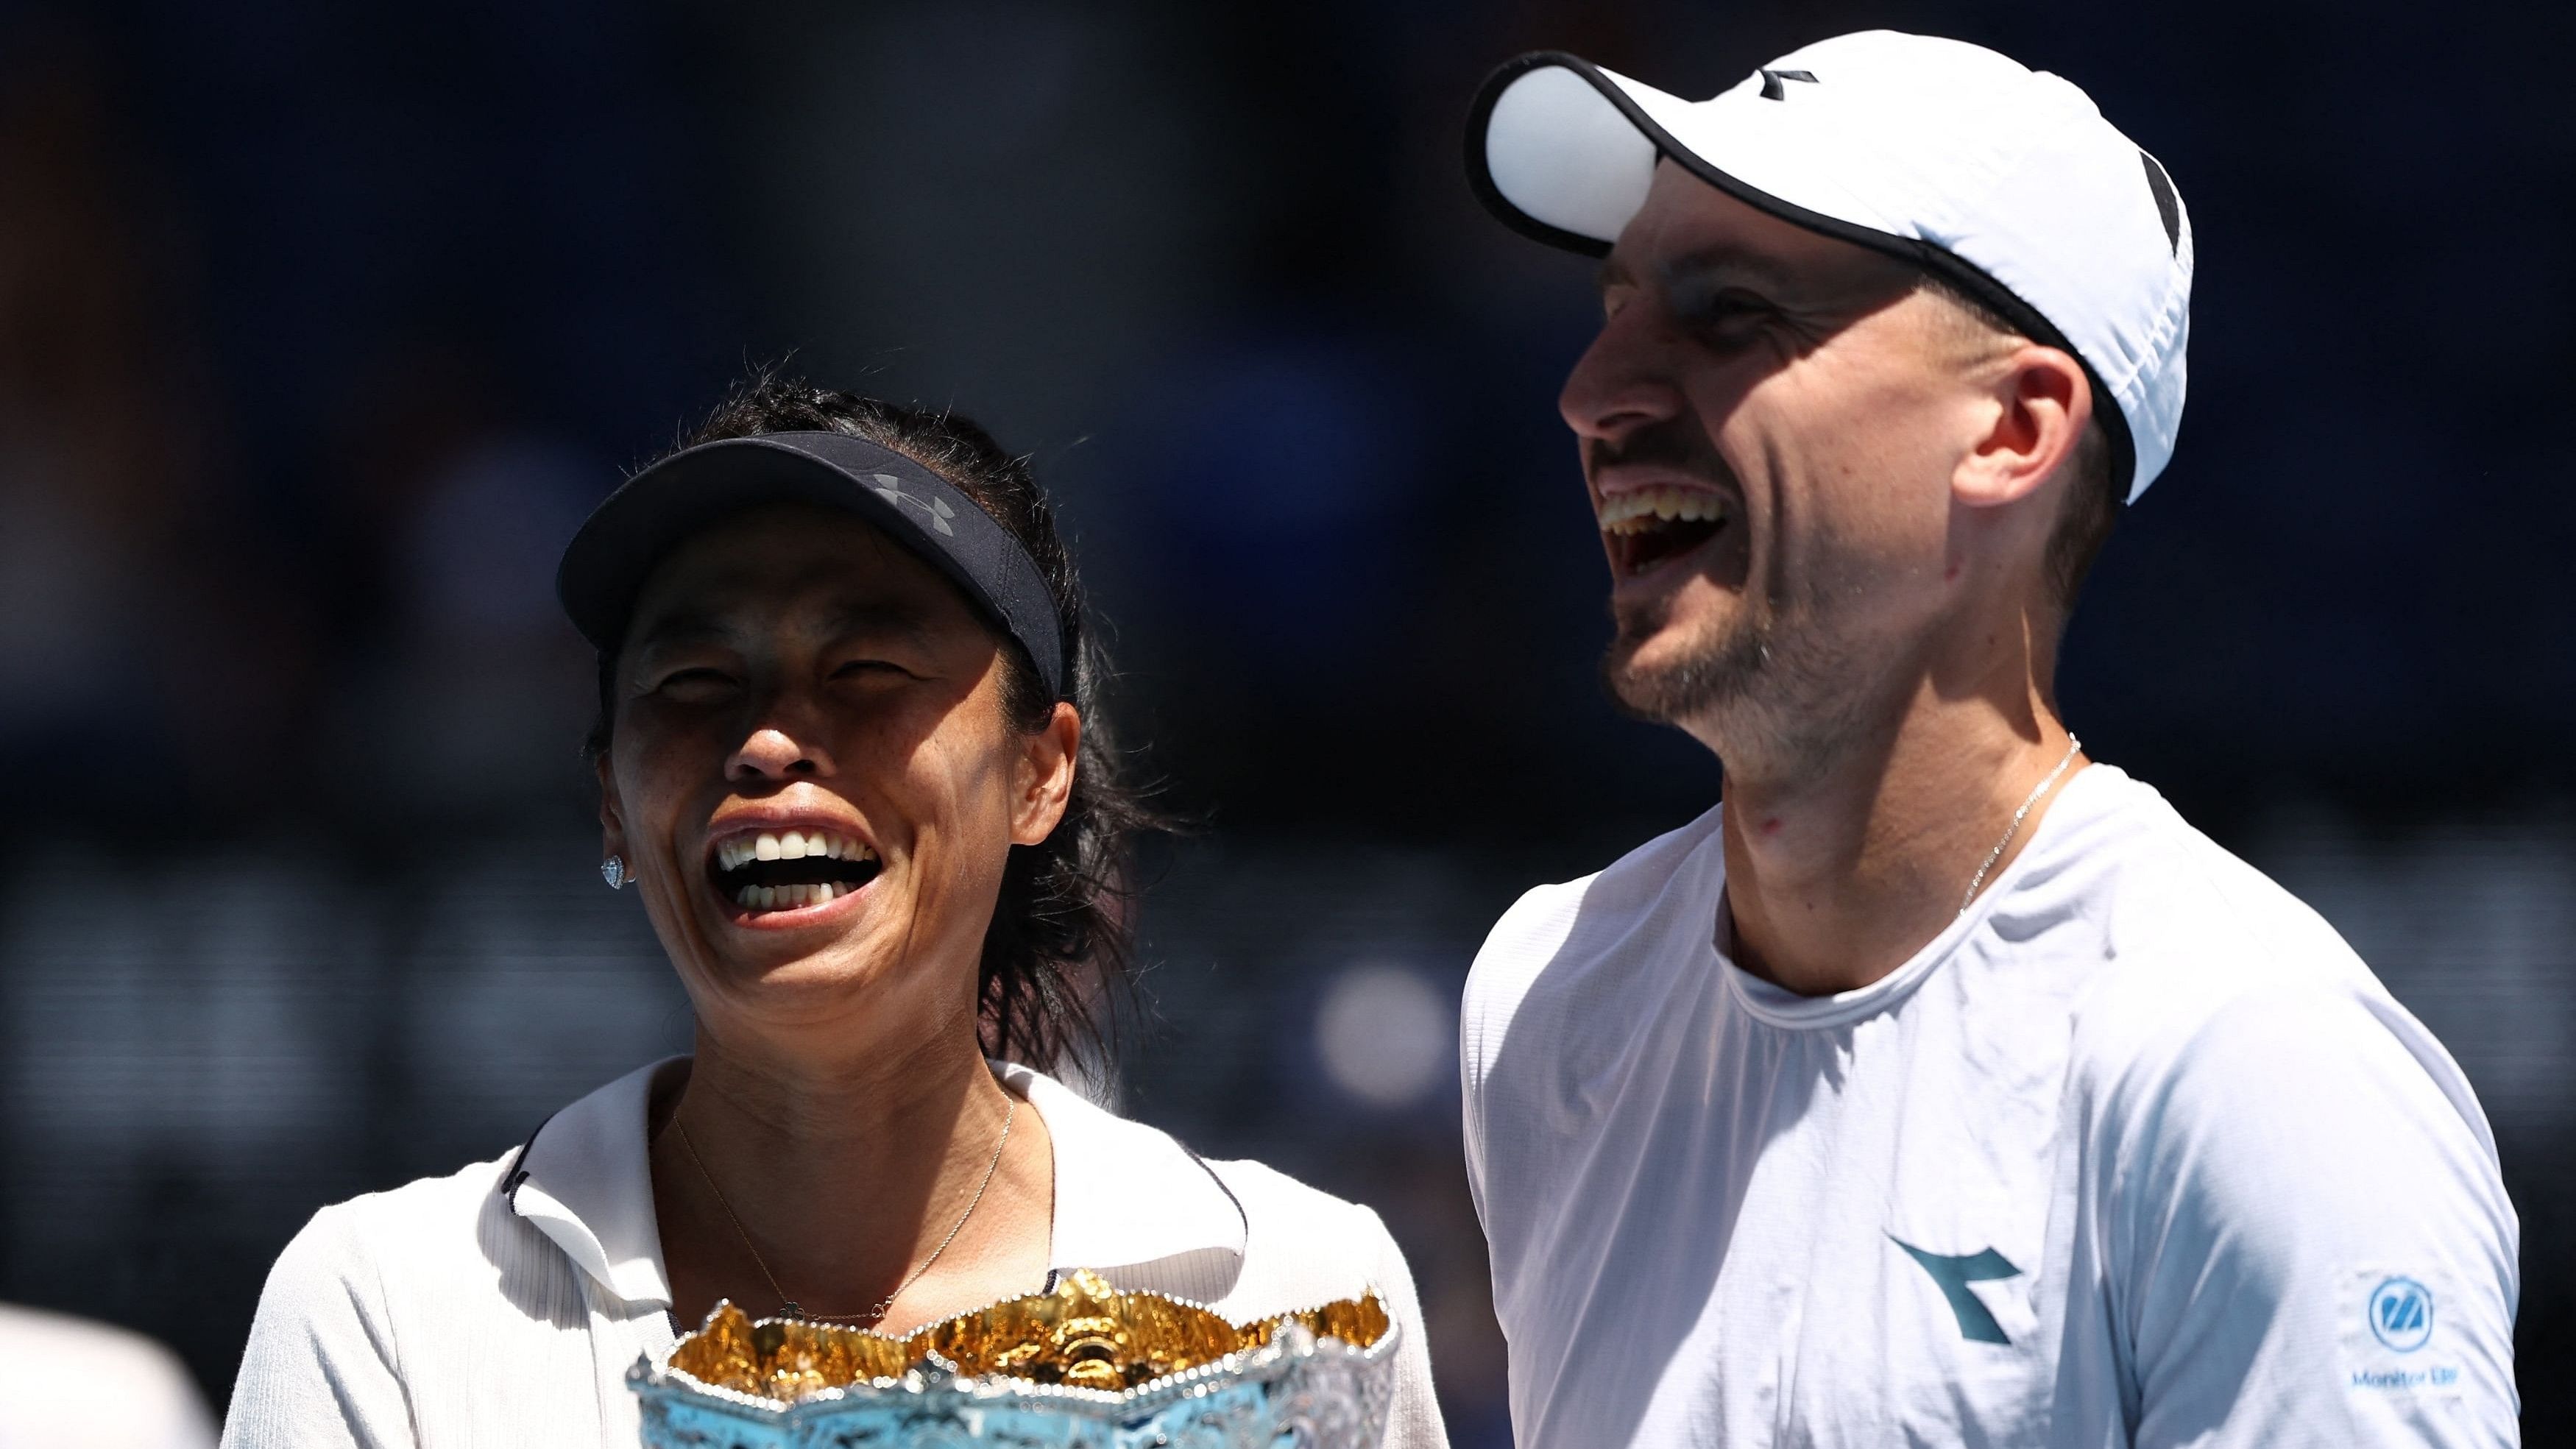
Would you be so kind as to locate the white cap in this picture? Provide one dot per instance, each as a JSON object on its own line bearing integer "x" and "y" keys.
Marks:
{"x": 2004, "y": 181}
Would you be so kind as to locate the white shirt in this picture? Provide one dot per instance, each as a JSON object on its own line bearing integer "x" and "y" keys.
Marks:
{"x": 68, "y": 1381}
{"x": 502, "y": 1306}
{"x": 2136, "y": 1152}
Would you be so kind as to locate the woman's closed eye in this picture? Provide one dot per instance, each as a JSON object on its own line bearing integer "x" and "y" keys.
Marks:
{"x": 697, "y": 684}
{"x": 871, "y": 670}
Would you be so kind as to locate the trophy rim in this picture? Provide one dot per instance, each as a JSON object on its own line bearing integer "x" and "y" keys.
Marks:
{"x": 1295, "y": 1347}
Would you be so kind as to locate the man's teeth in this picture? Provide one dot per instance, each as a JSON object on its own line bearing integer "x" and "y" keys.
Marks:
{"x": 1640, "y": 509}
{"x": 788, "y": 897}
{"x": 789, "y": 845}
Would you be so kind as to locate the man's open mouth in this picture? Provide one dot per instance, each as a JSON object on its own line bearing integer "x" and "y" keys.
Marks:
{"x": 1645, "y": 527}
{"x": 786, "y": 870}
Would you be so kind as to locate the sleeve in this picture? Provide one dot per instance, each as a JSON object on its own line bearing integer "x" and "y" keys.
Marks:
{"x": 320, "y": 1368}
{"x": 1413, "y": 1421}
{"x": 1523, "y": 942}
{"x": 2311, "y": 1244}
{"x": 1471, "y": 1095}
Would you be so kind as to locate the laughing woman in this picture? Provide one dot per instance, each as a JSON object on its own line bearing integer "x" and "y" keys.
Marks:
{"x": 847, "y": 754}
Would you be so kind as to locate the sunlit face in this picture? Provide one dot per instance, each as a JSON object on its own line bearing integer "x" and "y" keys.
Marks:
{"x": 1768, "y": 421}
{"x": 811, "y": 774}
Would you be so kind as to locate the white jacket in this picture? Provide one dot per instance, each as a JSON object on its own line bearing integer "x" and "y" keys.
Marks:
{"x": 503, "y": 1305}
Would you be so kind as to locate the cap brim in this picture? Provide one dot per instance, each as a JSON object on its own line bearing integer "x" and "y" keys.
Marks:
{"x": 1563, "y": 152}
{"x": 1554, "y": 154}
{"x": 608, "y": 560}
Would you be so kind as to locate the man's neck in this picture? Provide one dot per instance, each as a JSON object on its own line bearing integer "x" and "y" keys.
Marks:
{"x": 1836, "y": 875}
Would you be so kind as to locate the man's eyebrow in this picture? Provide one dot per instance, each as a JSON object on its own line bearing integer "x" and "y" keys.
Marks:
{"x": 1701, "y": 264}
{"x": 1699, "y": 267}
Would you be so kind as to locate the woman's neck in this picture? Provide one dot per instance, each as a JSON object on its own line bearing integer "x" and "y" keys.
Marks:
{"x": 839, "y": 1178}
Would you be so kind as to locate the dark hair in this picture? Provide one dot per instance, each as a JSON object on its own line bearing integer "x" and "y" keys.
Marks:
{"x": 2093, "y": 497}
{"x": 1058, "y": 951}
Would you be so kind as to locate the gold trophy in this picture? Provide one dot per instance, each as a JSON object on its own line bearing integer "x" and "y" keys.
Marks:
{"x": 1082, "y": 1366}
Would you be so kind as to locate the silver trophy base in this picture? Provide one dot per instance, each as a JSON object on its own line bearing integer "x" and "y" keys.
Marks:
{"x": 1295, "y": 1392}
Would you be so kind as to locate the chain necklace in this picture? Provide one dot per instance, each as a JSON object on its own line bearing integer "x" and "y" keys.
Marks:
{"x": 789, "y": 1305}
{"x": 1979, "y": 879}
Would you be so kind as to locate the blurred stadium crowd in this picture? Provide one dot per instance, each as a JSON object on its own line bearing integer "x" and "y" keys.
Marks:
{"x": 321, "y": 326}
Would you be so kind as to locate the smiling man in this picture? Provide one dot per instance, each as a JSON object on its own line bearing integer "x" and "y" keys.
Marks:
{"x": 1942, "y": 1086}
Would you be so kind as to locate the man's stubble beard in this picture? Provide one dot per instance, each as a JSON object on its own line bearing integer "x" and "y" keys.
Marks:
{"x": 1714, "y": 673}
{"x": 1770, "y": 695}
{"x": 1771, "y": 689}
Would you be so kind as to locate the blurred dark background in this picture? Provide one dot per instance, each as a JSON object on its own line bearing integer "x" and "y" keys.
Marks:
{"x": 321, "y": 325}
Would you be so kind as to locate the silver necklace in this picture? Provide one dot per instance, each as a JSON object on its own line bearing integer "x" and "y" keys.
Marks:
{"x": 787, "y": 1305}
{"x": 1979, "y": 879}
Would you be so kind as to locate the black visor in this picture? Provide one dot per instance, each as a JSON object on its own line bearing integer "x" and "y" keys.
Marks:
{"x": 605, "y": 564}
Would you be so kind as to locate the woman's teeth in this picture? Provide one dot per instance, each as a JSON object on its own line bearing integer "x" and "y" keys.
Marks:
{"x": 1640, "y": 509}
{"x": 789, "y": 845}
{"x": 787, "y": 870}
{"x": 787, "y": 897}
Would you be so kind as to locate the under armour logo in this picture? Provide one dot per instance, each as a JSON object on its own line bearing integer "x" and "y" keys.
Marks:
{"x": 1772, "y": 90}
{"x": 890, "y": 488}
{"x": 1952, "y": 1274}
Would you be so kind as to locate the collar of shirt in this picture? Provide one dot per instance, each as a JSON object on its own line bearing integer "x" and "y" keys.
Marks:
{"x": 1126, "y": 1195}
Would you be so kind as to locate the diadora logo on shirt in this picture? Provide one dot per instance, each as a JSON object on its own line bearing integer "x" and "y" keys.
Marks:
{"x": 2401, "y": 1314}
{"x": 1772, "y": 90}
{"x": 1952, "y": 1273}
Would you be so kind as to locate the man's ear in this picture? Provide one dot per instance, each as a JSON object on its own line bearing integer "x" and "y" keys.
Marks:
{"x": 612, "y": 828}
{"x": 2042, "y": 403}
{"x": 1045, "y": 776}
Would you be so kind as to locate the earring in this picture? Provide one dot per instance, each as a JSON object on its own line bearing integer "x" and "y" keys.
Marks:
{"x": 613, "y": 871}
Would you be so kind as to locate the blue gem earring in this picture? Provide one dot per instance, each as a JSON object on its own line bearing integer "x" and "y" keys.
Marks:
{"x": 613, "y": 871}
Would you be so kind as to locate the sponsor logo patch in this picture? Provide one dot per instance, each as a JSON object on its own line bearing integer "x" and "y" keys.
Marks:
{"x": 2401, "y": 1314}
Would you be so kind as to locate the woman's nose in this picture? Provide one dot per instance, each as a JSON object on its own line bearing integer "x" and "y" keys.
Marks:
{"x": 771, "y": 753}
